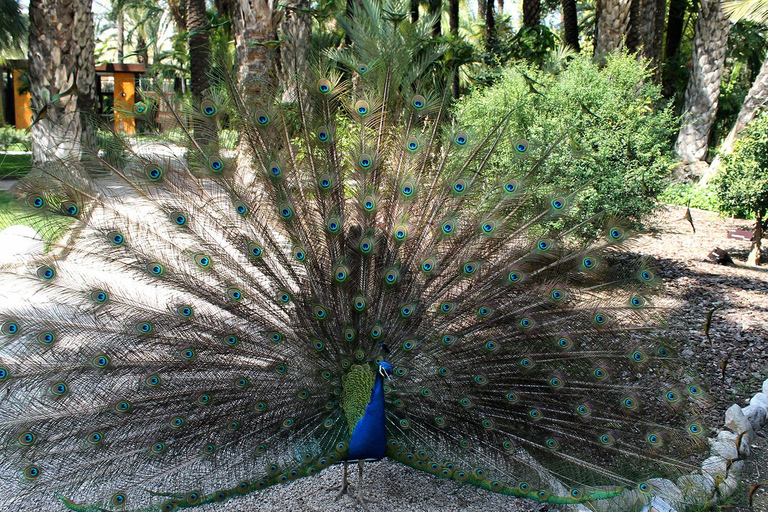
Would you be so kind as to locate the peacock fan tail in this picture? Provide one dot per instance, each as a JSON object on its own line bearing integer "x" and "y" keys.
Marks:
{"x": 349, "y": 285}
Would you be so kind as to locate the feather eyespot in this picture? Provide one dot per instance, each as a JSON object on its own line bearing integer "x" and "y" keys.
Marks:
{"x": 461, "y": 138}
{"x": 10, "y": 328}
{"x": 100, "y": 296}
{"x": 362, "y": 107}
{"x": 115, "y": 237}
{"x": 418, "y": 102}
{"x": 154, "y": 172}
{"x": 46, "y": 272}
{"x": 118, "y": 499}
{"x": 324, "y": 86}
{"x": 215, "y": 164}
{"x": 521, "y": 146}
{"x": 208, "y": 108}
{"x": 36, "y": 201}
{"x": 100, "y": 362}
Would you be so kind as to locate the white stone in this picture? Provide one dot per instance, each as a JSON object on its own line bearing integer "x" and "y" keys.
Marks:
{"x": 738, "y": 423}
{"x": 724, "y": 449}
{"x": 729, "y": 437}
{"x": 715, "y": 466}
{"x": 667, "y": 491}
{"x": 728, "y": 486}
{"x": 658, "y": 505}
{"x": 765, "y": 386}
{"x": 697, "y": 490}
{"x": 17, "y": 242}
{"x": 760, "y": 399}
{"x": 756, "y": 414}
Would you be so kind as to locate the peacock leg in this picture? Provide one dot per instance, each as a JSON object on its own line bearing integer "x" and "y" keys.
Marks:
{"x": 362, "y": 500}
{"x": 344, "y": 484}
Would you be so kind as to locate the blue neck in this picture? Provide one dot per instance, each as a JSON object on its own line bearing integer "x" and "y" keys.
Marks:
{"x": 369, "y": 437}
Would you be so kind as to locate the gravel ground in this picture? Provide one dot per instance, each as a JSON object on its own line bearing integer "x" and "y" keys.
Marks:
{"x": 739, "y": 334}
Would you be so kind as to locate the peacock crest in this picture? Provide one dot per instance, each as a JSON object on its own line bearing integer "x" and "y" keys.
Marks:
{"x": 214, "y": 325}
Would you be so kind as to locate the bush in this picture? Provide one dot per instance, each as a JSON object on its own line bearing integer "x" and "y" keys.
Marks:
{"x": 611, "y": 130}
{"x": 12, "y": 139}
{"x": 692, "y": 194}
{"x": 742, "y": 182}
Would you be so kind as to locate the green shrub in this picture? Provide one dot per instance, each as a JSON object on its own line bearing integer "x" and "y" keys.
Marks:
{"x": 12, "y": 139}
{"x": 611, "y": 132}
{"x": 692, "y": 194}
{"x": 742, "y": 181}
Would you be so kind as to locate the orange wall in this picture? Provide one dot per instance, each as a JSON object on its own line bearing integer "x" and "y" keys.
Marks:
{"x": 125, "y": 97}
{"x": 22, "y": 104}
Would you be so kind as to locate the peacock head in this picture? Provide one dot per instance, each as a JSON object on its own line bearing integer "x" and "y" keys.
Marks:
{"x": 386, "y": 370}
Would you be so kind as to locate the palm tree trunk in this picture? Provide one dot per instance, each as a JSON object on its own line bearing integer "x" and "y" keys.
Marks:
{"x": 490, "y": 29}
{"x": 757, "y": 98}
{"x": 61, "y": 62}
{"x": 653, "y": 35}
{"x": 414, "y": 11}
{"x": 675, "y": 24}
{"x": 453, "y": 20}
{"x": 531, "y": 13}
{"x": 255, "y": 23}
{"x": 199, "y": 65}
{"x": 703, "y": 91}
{"x": 612, "y": 26}
{"x": 634, "y": 39}
{"x": 296, "y": 29}
{"x": 571, "y": 24}
{"x": 120, "y": 34}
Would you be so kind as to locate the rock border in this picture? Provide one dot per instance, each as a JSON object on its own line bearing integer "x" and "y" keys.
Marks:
{"x": 719, "y": 475}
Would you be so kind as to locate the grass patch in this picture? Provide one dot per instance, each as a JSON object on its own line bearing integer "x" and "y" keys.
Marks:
{"x": 51, "y": 228}
{"x": 14, "y": 166}
{"x": 693, "y": 194}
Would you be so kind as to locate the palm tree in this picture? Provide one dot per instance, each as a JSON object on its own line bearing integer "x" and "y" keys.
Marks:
{"x": 62, "y": 77}
{"x": 612, "y": 25}
{"x": 570, "y": 24}
{"x": 675, "y": 26}
{"x": 255, "y": 30}
{"x": 703, "y": 91}
{"x": 757, "y": 97}
{"x": 531, "y": 12}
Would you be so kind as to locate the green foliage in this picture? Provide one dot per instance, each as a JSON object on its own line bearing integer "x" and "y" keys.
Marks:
{"x": 742, "y": 182}
{"x": 613, "y": 117}
{"x": 13, "y": 139}
{"x": 692, "y": 194}
{"x": 533, "y": 44}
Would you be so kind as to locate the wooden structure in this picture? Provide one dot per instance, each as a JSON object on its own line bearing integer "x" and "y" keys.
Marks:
{"x": 117, "y": 104}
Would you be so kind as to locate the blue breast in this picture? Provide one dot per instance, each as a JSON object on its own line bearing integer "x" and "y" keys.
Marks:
{"x": 369, "y": 437}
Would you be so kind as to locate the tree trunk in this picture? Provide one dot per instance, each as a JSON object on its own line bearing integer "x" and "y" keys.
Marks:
{"x": 296, "y": 29}
{"x": 436, "y": 7}
{"x": 414, "y": 11}
{"x": 120, "y": 34}
{"x": 757, "y": 98}
{"x": 255, "y": 21}
{"x": 142, "y": 50}
{"x": 755, "y": 255}
{"x": 61, "y": 62}
{"x": 500, "y": 3}
{"x": 199, "y": 47}
{"x": 453, "y": 20}
{"x": 612, "y": 26}
{"x": 653, "y": 35}
{"x": 571, "y": 24}
{"x": 531, "y": 13}
{"x": 634, "y": 39}
{"x": 703, "y": 91}
{"x": 199, "y": 65}
{"x": 481, "y": 9}
{"x": 490, "y": 29}
{"x": 675, "y": 24}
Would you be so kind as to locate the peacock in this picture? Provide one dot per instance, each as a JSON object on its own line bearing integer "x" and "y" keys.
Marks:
{"x": 356, "y": 280}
